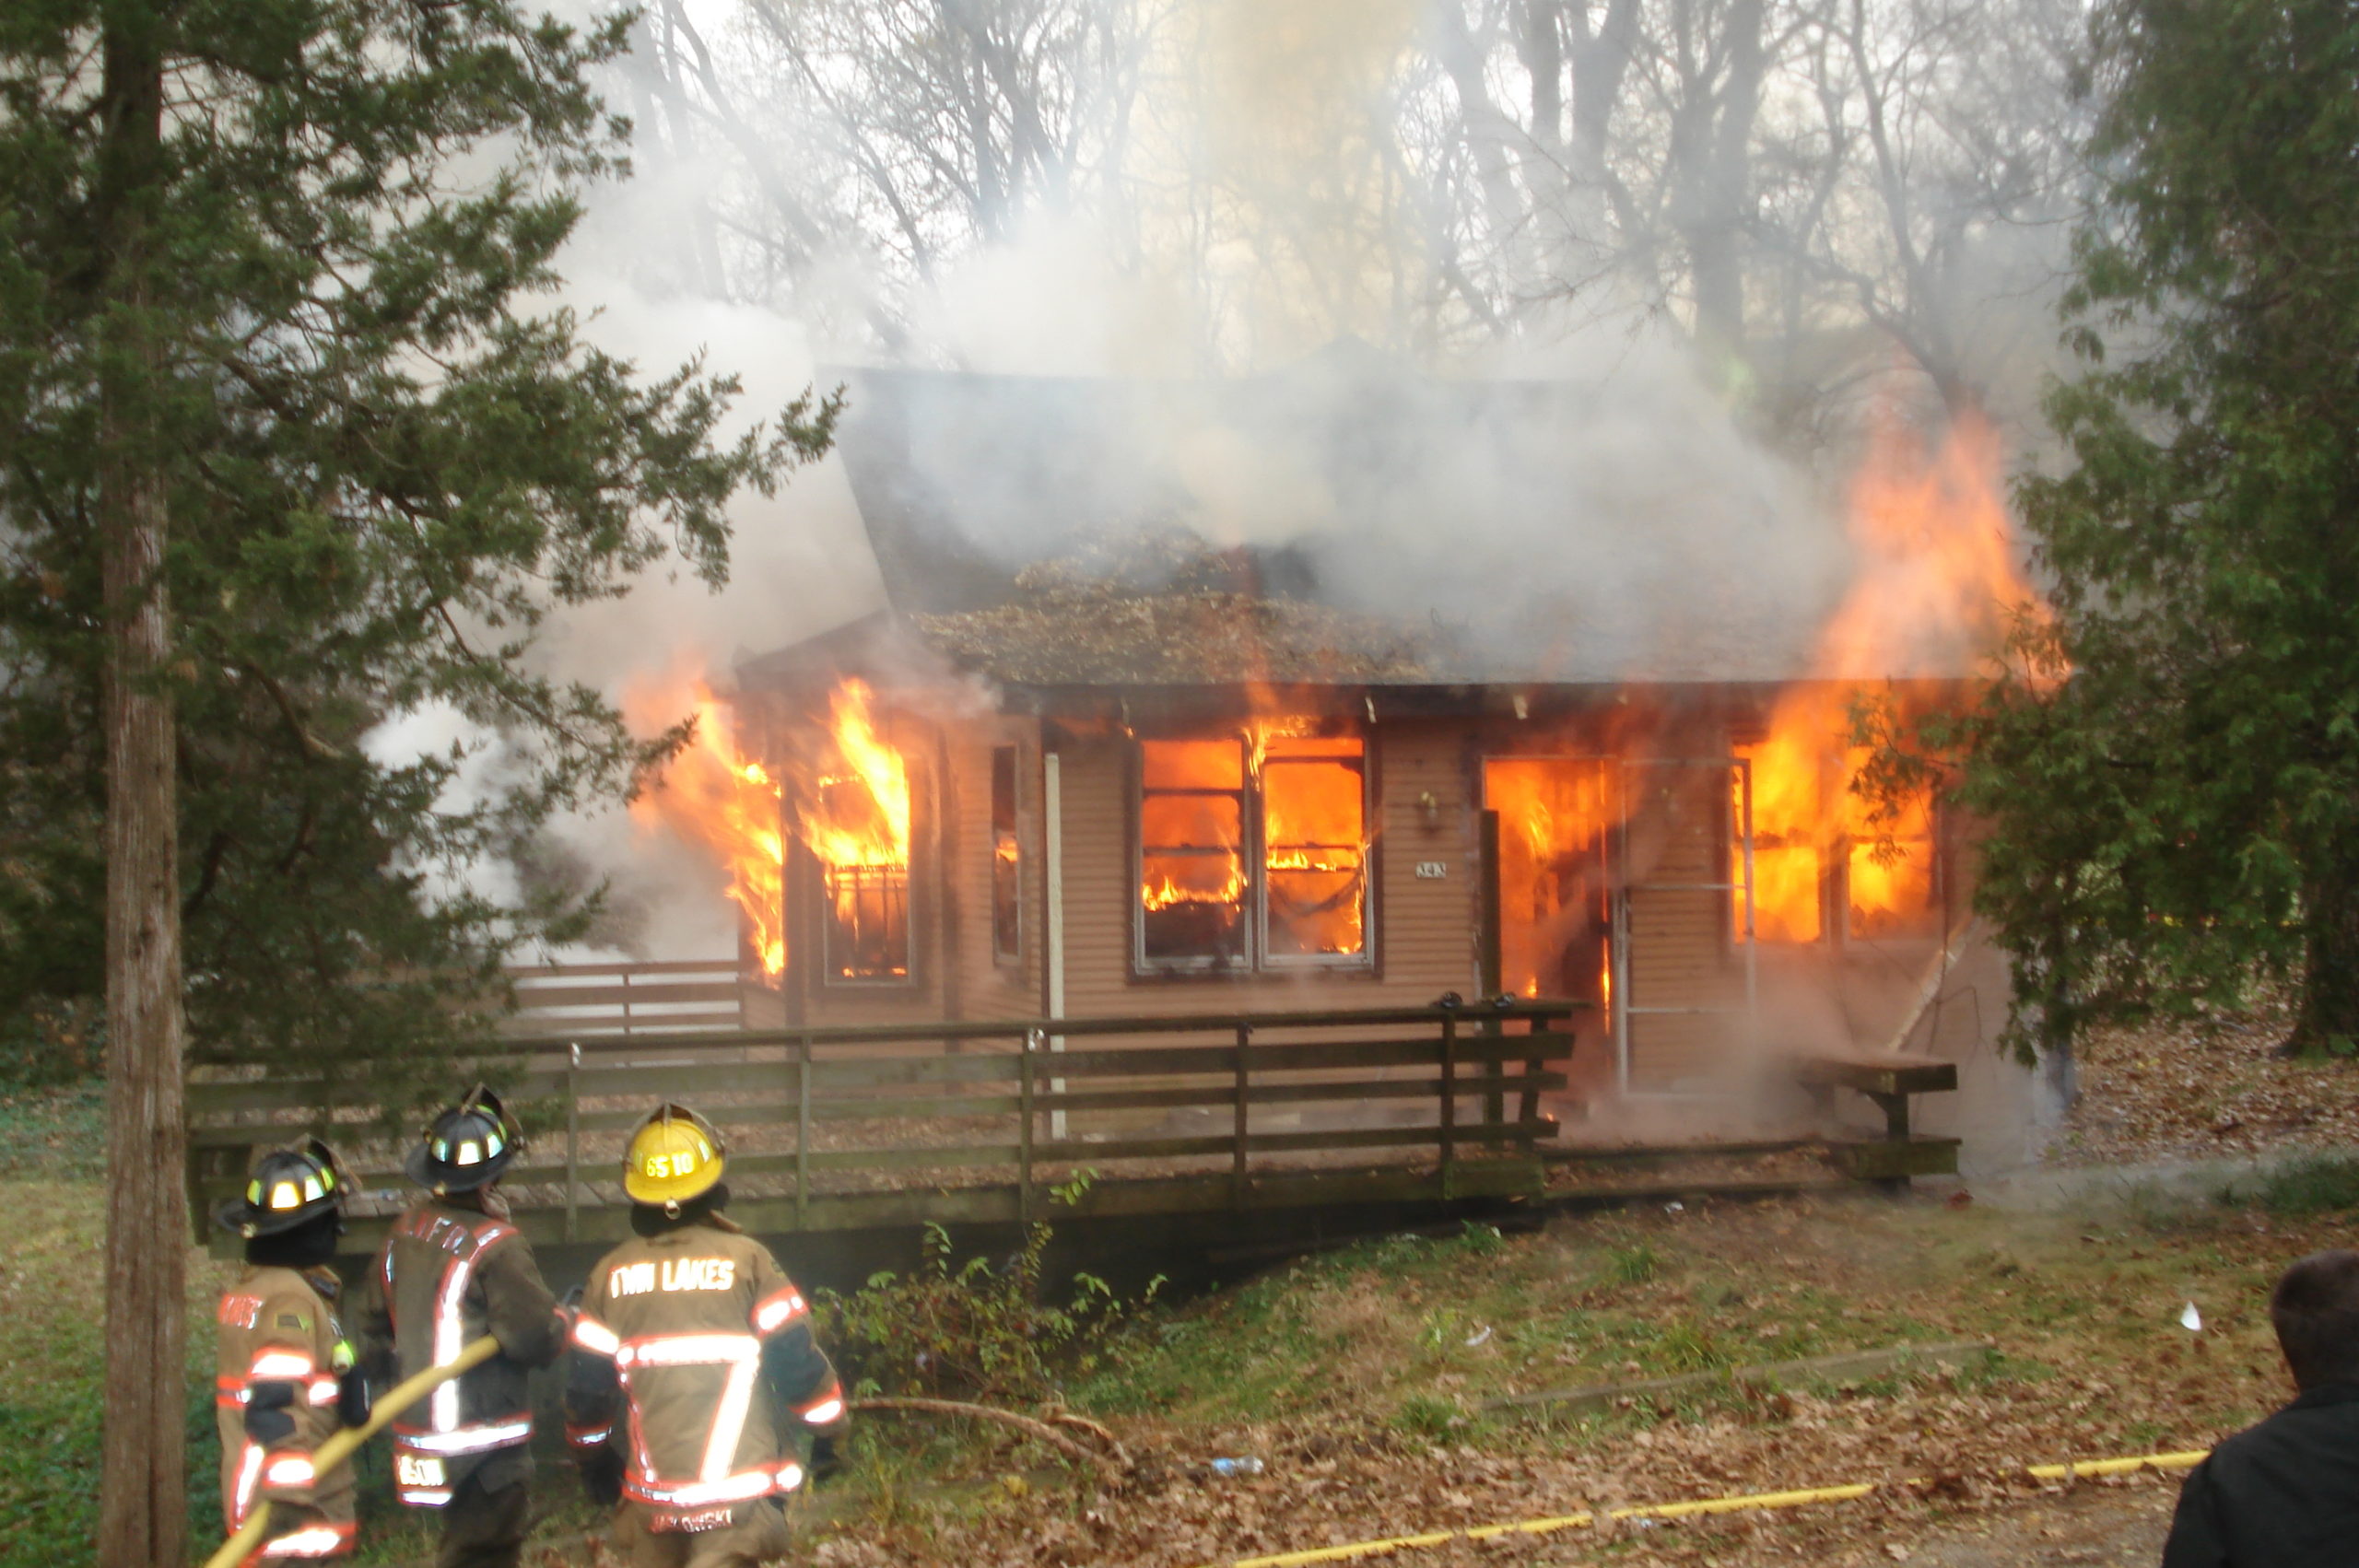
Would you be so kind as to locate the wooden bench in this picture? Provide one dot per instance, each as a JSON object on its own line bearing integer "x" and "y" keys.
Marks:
{"x": 1889, "y": 1080}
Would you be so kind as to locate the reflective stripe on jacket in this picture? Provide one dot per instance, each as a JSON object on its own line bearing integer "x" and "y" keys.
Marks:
{"x": 448, "y": 1276}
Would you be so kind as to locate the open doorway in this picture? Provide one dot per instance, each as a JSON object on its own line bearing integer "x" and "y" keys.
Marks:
{"x": 1555, "y": 908}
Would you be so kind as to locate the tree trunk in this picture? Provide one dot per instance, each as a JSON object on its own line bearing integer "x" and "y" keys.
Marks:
{"x": 2326, "y": 1021}
{"x": 143, "y": 1486}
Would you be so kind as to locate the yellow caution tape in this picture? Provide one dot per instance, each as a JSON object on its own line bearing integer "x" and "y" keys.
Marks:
{"x": 1389, "y": 1544}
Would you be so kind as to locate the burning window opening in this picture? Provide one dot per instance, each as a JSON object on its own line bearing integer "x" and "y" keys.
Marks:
{"x": 1314, "y": 829}
{"x": 1556, "y": 912}
{"x": 712, "y": 796}
{"x": 1007, "y": 903}
{"x": 1192, "y": 852}
{"x": 1820, "y": 867}
{"x": 1936, "y": 580}
{"x": 854, "y": 817}
{"x": 1200, "y": 896}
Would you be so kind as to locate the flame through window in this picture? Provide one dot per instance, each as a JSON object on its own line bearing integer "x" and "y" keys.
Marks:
{"x": 1007, "y": 903}
{"x": 855, "y": 817}
{"x": 1818, "y": 859}
{"x": 1252, "y": 852}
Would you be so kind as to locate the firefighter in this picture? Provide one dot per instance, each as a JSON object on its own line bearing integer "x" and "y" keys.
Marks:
{"x": 286, "y": 1375}
{"x": 693, "y": 1345}
{"x": 452, "y": 1270}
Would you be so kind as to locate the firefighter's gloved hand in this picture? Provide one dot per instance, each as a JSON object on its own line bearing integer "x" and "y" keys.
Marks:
{"x": 602, "y": 1474}
{"x": 825, "y": 1463}
{"x": 353, "y": 1399}
{"x": 269, "y": 1421}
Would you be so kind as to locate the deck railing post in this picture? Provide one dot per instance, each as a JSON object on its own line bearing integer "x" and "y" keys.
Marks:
{"x": 1242, "y": 1120}
{"x": 803, "y": 1131}
{"x": 1527, "y": 1104}
{"x": 1024, "y": 1133}
{"x": 573, "y": 1138}
{"x": 1449, "y": 1099}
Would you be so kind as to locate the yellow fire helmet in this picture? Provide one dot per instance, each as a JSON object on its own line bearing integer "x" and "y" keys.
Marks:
{"x": 673, "y": 1156}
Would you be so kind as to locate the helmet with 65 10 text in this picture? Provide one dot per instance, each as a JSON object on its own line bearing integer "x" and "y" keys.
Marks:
{"x": 673, "y": 1157}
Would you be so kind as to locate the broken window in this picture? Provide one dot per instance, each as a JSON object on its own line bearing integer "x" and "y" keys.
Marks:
{"x": 1314, "y": 832}
{"x": 854, "y": 817}
{"x": 1191, "y": 854}
{"x": 1007, "y": 904}
{"x": 1252, "y": 857}
{"x": 1821, "y": 870}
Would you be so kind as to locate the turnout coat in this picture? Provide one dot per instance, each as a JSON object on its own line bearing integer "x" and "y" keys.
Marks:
{"x": 695, "y": 1367}
{"x": 276, "y": 1398}
{"x": 451, "y": 1273}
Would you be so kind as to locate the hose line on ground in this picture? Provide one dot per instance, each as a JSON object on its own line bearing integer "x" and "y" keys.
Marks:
{"x": 340, "y": 1445}
{"x": 2078, "y": 1468}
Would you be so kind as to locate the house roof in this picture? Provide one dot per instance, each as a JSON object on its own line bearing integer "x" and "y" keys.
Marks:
{"x": 1352, "y": 523}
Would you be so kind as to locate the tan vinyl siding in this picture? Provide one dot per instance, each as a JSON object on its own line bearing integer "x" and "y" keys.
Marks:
{"x": 1679, "y": 954}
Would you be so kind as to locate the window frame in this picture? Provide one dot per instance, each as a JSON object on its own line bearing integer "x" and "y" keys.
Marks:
{"x": 1217, "y": 964}
{"x": 1257, "y": 880}
{"x": 1255, "y": 957}
{"x": 916, "y": 904}
{"x": 1012, "y": 835}
{"x": 1834, "y": 880}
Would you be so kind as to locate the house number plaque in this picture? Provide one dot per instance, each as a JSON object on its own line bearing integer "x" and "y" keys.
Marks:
{"x": 1433, "y": 871}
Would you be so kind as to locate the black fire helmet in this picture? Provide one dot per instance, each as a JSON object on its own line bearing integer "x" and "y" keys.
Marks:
{"x": 466, "y": 1146}
{"x": 287, "y": 1188}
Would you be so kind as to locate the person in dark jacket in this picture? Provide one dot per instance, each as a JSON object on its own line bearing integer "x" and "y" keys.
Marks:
{"x": 453, "y": 1270}
{"x": 2285, "y": 1493}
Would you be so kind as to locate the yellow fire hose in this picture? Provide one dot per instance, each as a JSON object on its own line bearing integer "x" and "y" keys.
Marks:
{"x": 1386, "y": 1546}
{"x": 340, "y": 1445}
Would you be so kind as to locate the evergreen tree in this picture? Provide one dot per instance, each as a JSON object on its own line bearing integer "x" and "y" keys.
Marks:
{"x": 287, "y": 445}
{"x": 2183, "y": 807}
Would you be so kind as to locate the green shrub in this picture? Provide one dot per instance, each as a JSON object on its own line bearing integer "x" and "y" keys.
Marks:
{"x": 1426, "y": 1415}
{"x": 970, "y": 1331}
{"x": 1633, "y": 1265}
{"x": 2318, "y": 1184}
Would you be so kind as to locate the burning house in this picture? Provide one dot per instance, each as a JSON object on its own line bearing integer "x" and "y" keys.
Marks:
{"x": 1090, "y": 763}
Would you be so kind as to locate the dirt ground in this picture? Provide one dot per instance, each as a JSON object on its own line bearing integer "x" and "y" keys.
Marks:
{"x": 2092, "y": 1525}
{"x": 2206, "y": 1087}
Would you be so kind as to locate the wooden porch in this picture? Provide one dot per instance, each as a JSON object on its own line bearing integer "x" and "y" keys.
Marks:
{"x": 986, "y": 1122}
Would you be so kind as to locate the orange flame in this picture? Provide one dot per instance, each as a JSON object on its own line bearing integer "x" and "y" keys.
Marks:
{"x": 1311, "y": 791}
{"x": 713, "y": 797}
{"x": 857, "y": 812}
{"x": 1553, "y": 815}
{"x": 1165, "y": 893}
{"x": 853, "y": 804}
{"x": 1935, "y": 586}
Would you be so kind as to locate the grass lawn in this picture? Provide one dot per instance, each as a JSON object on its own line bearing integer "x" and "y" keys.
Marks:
{"x": 1359, "y": 1377}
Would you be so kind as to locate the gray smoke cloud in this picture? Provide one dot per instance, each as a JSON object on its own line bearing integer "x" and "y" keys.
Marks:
{"x": 1582, "y": 500}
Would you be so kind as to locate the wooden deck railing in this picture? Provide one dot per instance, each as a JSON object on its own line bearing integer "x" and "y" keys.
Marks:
{"x": 841, "y": 1128}
{"x": 582, "y": 999}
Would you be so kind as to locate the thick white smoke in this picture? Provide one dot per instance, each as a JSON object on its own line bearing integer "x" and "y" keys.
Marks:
{"x": 1625, "y": 524}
